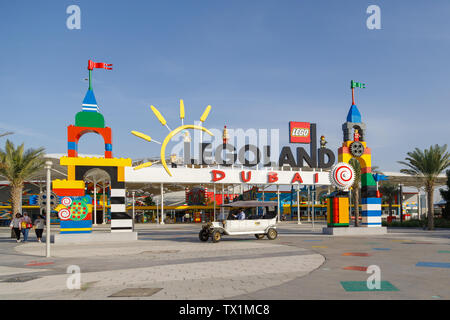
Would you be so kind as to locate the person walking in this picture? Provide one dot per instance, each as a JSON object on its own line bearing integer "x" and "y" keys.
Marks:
{"x": 16, "y": 225}
{"x": 26, "y": 226}
{"x": 39, "y": 225}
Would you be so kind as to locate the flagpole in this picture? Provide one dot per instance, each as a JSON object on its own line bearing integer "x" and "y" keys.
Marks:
{"x": 90, "y": 76}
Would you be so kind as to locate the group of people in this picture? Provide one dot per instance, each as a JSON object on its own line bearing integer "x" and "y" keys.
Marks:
{"x": 21, "y": 224}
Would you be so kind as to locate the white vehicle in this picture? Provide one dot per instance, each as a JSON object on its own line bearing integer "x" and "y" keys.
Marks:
{"x": 258, "y": 222}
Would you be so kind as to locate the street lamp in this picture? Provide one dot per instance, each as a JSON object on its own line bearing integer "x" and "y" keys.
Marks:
{"x": 48, "y": 166}
{"x": 133, "y": 193}
{"x": 401, "y": 202}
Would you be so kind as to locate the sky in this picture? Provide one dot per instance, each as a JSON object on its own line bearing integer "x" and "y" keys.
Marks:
{"x": 259, "y": 64}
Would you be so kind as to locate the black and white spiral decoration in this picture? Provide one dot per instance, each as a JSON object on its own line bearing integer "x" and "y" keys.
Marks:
{"x": 342, "y": 175}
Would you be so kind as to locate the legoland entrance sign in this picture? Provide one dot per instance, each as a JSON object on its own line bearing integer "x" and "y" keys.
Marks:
{"x": 226, "y": 156}
{"x": 300, "y": 132}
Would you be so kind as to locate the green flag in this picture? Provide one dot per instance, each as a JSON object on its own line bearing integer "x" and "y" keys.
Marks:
{"x": 355, "y": 84}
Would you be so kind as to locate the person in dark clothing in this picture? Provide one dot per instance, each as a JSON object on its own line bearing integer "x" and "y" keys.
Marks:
{"x": 39, "y": 225}
{"x": 16, "y": 225}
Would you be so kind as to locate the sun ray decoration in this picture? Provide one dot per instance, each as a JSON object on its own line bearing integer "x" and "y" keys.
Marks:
{"x": 182, "y": 112}
{"x": 171, "y": 134}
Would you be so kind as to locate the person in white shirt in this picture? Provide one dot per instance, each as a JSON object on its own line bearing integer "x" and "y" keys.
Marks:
{"x": 241, "y": 215}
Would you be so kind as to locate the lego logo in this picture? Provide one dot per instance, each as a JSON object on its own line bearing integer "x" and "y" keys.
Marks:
{"x": 300, "y": 132}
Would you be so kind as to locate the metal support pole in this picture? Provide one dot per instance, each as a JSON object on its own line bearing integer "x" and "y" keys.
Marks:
{"x": 48, "y": 165}
{"x": 223, "y": 202}
{"x": 313, "y": 196}
{"x": 278, "y": 201}
{"x": 162, "y": 203}
{"x": 95, "y": 202}
{"x": 401, "y": 203}
{"x": 308, "y": 203}
{"x": 133, "y": 193}
{"x": 157, "y": 212}
{"x": 214, "y": 199}
{"x": 298, "y": 204}
{"x": 104, "y": 205}
{"x": 419, "y": 204}
{"x": 40, "y": 194}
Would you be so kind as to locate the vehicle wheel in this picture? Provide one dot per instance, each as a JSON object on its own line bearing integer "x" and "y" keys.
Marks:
{"x": 215, "y": 236}
{"x": 203, "y": 235}
{"x": 259, "y": 236}
{"x": 272, "y": 234}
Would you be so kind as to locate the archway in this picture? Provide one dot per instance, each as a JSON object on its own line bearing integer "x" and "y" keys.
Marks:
{"x": 98, "y": 181}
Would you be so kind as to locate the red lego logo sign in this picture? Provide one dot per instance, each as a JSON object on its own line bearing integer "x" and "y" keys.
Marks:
{"x": 299, "y": 132}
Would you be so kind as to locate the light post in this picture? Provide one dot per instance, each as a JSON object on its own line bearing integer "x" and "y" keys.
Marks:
{"x": 104, "y": 203}
{"x": 133, "y": 193}
{"x": 95, "y": 202}
{"x": 401, "y": 202}
{"x": 278, "y": 201}
{"x": 313, "y": 197}
{"x": 298, "y": 204}
{"x": 48, "y": 166}
{"x": 162, "y": 203}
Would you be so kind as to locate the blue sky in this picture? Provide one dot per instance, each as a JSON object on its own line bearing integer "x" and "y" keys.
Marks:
{"x": 260, "y": 64}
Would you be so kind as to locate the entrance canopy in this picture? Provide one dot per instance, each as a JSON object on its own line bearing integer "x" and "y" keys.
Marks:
{"x": 411, "y": 181}
{"x": 251, "y": 204}
{"x": 226, "y": 175}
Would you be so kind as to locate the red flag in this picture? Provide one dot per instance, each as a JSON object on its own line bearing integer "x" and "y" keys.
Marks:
{"x": 99, "y": 65}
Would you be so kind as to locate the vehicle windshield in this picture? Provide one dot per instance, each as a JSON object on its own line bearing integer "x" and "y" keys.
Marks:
{"x": 252, "y": 213}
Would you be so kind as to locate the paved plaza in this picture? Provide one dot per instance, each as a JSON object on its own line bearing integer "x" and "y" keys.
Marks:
{"x": 169, "y": 262}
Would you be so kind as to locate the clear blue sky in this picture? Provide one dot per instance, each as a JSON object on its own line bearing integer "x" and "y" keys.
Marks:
{"x": 260, "y": 64}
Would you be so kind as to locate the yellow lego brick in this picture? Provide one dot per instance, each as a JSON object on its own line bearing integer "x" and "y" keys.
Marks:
{"x": 121, "y": 174}
{"x": 343, "y": 210}
{"x": 100, "y": 162}
{"x": 344, "y": 157}
{"x": 68, "y": 184}
{"x": 70, "y": 172}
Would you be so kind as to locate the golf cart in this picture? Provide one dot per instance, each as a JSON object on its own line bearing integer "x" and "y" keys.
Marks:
{"x": 260, "y": 220}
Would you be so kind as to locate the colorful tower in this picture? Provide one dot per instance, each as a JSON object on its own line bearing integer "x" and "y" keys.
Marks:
{"x": 355, "y": 146}
{"x": 75, "y": 210}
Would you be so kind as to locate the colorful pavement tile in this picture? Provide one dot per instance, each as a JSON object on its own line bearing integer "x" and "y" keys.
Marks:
{"x": 355, "y": 268}
{"x": 358, "y": 286}
{"x": 433, "y": 264}
{"x": 356, "y": 254}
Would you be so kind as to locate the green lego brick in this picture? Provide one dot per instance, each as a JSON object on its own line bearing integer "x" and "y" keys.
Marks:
{"x": 338, "y": 224}
{"x": 367, "y": 180}
{"x": 89, "y": 119}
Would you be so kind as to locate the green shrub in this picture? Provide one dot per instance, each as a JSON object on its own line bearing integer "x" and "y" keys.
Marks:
{"x": 415, "y": 223}
{"x": 442, "y": 223}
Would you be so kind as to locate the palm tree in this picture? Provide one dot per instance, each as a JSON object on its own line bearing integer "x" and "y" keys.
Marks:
{"x": 18, "y": 165}
{"x": 427, "y": 165}
{"x": 389, "y": 191}
{"x": 355, "y": 187}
